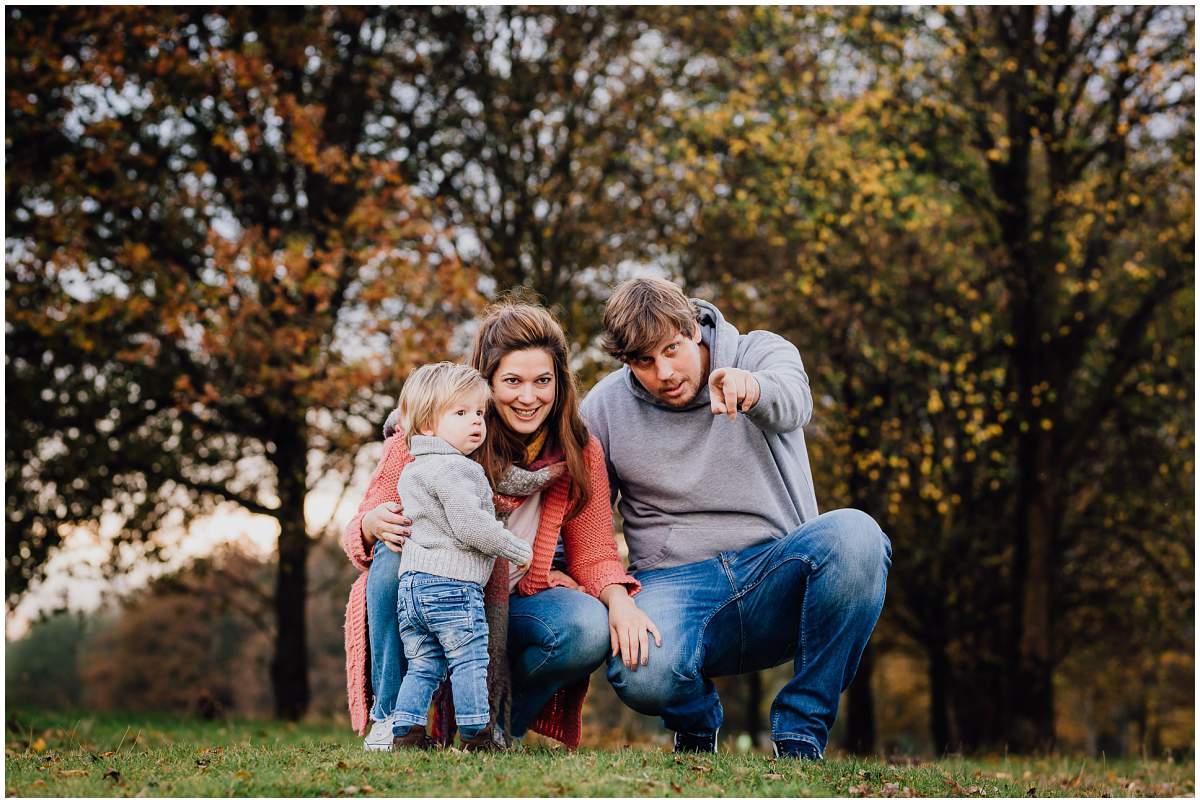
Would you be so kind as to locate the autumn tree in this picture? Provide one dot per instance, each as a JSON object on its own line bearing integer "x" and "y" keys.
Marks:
{"x": 215, "y": 273}
{"x": 522, "y": 121}
{"x": 1083, "y": 121}
{"x": 849, "y": 181}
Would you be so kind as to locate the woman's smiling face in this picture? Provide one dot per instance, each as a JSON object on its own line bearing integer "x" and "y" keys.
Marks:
{"x": 523, "y": 389}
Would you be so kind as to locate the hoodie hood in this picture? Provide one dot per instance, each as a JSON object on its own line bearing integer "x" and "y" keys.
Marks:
{"x": 721, "y": 338}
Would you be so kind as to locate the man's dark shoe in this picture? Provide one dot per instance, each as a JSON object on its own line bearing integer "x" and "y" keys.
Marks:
{"x": 415, "y": 739}
{"x": 482, "y": 742}
{"x": 794, "y": 748}
{"x": 696, "y": 742}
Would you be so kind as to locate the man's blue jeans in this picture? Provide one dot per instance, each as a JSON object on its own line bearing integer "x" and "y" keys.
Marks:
{"x": 442, "y": 627}
{"x": 811, "y": 597}
{"x": 555, "y": 638}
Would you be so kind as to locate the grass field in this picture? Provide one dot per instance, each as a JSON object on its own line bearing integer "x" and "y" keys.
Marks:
{"x": 89, "y": 755}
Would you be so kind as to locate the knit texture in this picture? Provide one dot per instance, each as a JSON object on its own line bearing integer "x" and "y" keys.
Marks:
{"x": 455, "y": 533}
{"x": 592, "y": 561}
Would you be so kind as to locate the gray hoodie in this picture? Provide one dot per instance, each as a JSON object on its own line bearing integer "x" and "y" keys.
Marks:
{"x": 692, "y": 484}
{"x": 454, "y": 528}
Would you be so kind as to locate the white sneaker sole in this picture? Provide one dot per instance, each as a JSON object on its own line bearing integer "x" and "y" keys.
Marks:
{"x": 376, "y": 747}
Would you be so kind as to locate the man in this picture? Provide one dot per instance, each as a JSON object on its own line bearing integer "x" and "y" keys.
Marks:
{"x": 702, "y": 431}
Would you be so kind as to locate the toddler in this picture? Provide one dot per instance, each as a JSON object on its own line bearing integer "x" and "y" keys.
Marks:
{"x": 449, "y": 556}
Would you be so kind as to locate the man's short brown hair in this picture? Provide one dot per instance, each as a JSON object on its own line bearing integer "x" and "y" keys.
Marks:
{"x": 644, "y": 312}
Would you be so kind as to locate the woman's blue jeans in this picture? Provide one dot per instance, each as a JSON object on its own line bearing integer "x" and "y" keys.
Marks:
{"x": 383, "y": 627}
{"x": 555, "y": 638}
{"x": 811, "y": 597}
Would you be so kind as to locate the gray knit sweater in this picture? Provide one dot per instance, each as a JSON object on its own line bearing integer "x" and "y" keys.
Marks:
{"x": 455, "y": 533}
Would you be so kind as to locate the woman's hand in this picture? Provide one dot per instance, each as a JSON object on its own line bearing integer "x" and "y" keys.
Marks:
{"x": 628, "y": 626}
{"x": 386, "y": 523}
{"x": 558, "y": 579}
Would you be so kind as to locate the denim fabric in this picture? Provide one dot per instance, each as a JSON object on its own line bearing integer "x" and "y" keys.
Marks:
{"x": 387, "y": 654}
{"x": 812, "y": 596}
{"x": 555, "y": 637}
{"x": 442, "y": 626}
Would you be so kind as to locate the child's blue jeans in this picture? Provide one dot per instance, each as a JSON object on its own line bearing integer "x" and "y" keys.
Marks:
{"x": 442, "y": 626}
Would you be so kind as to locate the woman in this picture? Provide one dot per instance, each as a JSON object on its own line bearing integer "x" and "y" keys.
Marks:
{"x": 560, "y": 625}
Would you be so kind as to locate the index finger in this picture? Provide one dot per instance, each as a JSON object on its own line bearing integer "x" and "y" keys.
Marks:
{"x": 715, "y": 385}
{"x": 729, "y": 393}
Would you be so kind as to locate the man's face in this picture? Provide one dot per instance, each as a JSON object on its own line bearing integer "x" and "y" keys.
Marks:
{"x": 674, "y": 370}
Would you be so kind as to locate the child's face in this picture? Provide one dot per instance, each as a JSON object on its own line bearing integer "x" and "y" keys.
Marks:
{"x": 462, "y": 423}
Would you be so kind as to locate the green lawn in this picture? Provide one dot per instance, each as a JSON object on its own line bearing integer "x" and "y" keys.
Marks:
{"x": 88, "y": 755}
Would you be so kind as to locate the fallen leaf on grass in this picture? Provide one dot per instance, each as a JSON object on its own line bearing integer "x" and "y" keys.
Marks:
{"x": 112, "y": 775}
{"x": 773, "y": 776}
{"x": 700, "y": 768}
{"x": 38, "y": 782}
{"x": 342, "y": 765}
{"x": 72, "y": 773}
{"x": 896, "y": 790}
{"x": 242, "y": 775}
{"x": 676, "y": 788}
{"x": 354, "y": 790}
{"x": 38, "y": 746}
{"x": 958, "y": 788}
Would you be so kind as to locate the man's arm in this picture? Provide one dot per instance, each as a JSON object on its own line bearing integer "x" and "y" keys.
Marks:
{"x": 784, "y": 399}
{"x": 459, "y": 494}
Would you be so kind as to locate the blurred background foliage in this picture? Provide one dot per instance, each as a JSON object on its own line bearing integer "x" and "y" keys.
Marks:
{"x": 231, "y": 233}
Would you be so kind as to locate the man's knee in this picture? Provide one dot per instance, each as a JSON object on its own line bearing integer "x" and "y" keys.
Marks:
{"x": 860, "y": 552}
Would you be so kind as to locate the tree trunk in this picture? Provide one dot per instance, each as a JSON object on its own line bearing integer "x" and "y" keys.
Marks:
{"x": 1029, "y": 709}
{"x": 939, "y": 699}
{"x": 1031, "y": 727}
{"x": 289, "y": 665}
{"x": 860, "y": 707}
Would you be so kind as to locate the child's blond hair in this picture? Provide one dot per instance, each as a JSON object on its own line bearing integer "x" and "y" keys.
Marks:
{"x": 432, "y": 388}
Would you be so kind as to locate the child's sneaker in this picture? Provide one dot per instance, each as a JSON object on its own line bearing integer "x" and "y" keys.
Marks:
{"x": 380, "y": 736}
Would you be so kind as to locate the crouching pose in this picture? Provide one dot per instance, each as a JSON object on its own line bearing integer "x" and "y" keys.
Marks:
{"x": 702, "y": 434}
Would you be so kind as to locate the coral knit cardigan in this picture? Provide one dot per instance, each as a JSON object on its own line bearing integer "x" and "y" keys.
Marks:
{"x": 592, "y": 561}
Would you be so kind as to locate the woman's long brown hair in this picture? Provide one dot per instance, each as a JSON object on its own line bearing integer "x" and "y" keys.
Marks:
{"x": 510, "y": 326}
